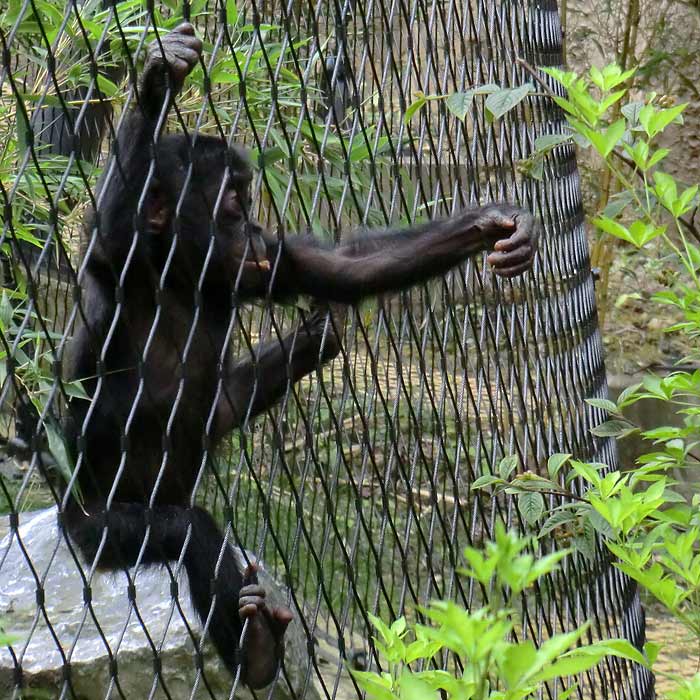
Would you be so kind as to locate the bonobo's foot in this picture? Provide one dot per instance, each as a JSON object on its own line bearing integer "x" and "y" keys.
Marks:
{"x": 178, "y": 51}
{"x": 264, "y": 644}
{"x": 514, "y": 235}
{"x": 328, "y": 319}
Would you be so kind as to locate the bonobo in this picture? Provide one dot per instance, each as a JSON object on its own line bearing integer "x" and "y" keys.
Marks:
{"x": 168, "y": 251}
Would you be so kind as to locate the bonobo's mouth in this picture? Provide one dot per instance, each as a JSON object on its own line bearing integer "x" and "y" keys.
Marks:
{"x": 255, "y": 255}
{"x": 262, "y": 264}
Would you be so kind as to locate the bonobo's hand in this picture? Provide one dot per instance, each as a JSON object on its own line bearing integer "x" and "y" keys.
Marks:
{"x": 178, "y": 52}
{"x": 513, "y": 233}
{"x": 264, "y": 640}
{"x": 315, "y": 324}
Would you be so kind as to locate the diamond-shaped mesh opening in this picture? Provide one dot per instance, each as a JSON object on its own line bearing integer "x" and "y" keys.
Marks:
{"x": 353, "y": 489}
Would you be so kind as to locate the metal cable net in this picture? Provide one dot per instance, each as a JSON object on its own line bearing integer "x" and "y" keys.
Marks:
{"x": 354, "y": 489}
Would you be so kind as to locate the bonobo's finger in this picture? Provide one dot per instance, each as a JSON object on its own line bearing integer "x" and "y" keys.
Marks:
{"x": 186, "y": 55}
{"x": 250, "y": 575}
{"x": 194, "y": 43}
{"x": 496, "y": 222}
{"x": 504, "y": 221}
{"x": 177, "y": 66}
{"x": 184, "y": 28}
{"x": 188, "y": 42}
{"x": 282, "y": 616}
{"x": 519, "y": 238}
{"x": 253, "y": 589}
{"x": 246, "y": 600}
{"x": 513, "y": 257}
{"x": 512, "y": 271}
{"x": 248, "y": 608}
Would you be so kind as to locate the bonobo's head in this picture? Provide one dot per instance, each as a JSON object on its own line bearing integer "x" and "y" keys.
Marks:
{"x": 202, "y": 195}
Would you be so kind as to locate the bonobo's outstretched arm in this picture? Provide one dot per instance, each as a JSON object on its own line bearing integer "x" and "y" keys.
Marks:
{"x": 376, "y": 263}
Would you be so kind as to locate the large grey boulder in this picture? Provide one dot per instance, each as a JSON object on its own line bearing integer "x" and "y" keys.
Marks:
{"x": 67, "y": 629}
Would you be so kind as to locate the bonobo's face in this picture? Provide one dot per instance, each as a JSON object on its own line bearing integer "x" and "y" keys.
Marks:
{"x": 239, "y": 239}
{"x": 219, "y": 193}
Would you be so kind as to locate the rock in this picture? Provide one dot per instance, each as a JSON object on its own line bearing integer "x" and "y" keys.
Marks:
{"x": 83, "y": 633}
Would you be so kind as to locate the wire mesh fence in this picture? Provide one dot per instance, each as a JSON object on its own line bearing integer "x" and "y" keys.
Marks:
{"x": 353, "y": 488}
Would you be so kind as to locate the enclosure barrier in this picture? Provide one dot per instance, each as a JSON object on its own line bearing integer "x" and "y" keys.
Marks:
{"x": 354, "y": 490}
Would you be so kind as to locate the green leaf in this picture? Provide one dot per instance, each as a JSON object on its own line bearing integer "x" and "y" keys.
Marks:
{"x": 6, "y": 311}
{"x": 665, "y": 189}
{"x": 620, "y": 648}
{"x": 485, "y": 480}
{"x": 556, "y": 462}
{"x": 684, "y": 202}
{"x": 611, "y": 99}
{"x": 59, "y": 452}
{"x": 605, "y": 404}
{"x": 628, "y": 396}
{"x": 656, "y": 387}
{"x": 381, "y": 627}
{"x": 662, "y": 118}
{"x": 106, "y": 86}
{"x": 613, "y": 76}
{"x": 546, "y": 142}
{"x": 639, "y": 152}
{"x": 76, "y": 390}
{"x": 558, "y": 644}
{"x": 566, "y": 666}
{"x": 657, "y": 157}
{"x": 600, "y": 524}
{"x": 398, "y": 626}
{"x": 506, "y": 466}
{"x": 597, "y": 77}
{"x": 528, "y": 481}
{"x": 642, "y": 232}
{"x": 531, "y": 506}
{"x": 613, "y": 428}
{"x": 613, "y": 228}
{"x": 377, "y": 686}
{"x": 566, "y": 78}
{"x": 518, "y": 661}
{"x": 559, "y": 518}
{"x": 652, "y": 649}
{"x": 231, "y": 13}
{"x": 585, "y": 541}
{"x": 459, "y": 103}
{"x": 499, "y": 103}
{"x": 485, "y": 89}
{"x": 605, "y": 141}
{"x": 631, "y": 111}
{"x": 419, "y": 103}
{"x": 414, "y": 688}
{"x": 617, "y": 204}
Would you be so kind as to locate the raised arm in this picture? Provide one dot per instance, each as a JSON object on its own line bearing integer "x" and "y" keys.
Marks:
{"x": 376, "y": 263}
{"x": 120, "y": 191}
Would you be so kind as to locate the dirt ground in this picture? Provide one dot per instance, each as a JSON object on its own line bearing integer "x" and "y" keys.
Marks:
{"x": 678, "y": 655}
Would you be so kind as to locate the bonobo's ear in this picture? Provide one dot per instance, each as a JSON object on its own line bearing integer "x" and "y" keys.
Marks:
{"x": 157, "y": 213}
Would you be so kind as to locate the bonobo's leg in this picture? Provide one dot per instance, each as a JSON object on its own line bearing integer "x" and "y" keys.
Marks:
{"x": 126, "y": 528}
{"x": 253, "y": 386}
